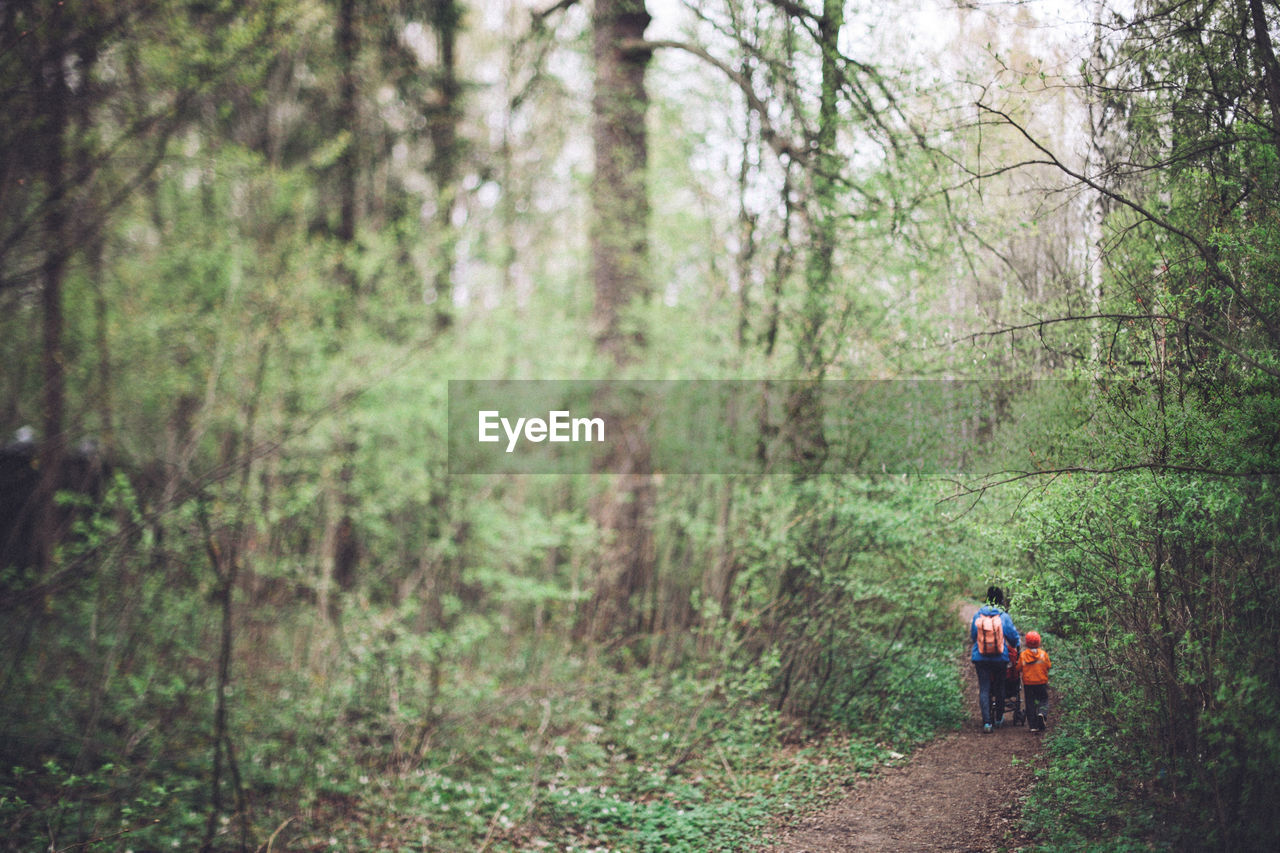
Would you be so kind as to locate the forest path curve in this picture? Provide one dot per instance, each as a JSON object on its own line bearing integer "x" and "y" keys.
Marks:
{"x": 961, "y": 792}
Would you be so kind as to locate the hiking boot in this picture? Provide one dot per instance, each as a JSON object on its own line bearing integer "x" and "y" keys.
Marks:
{"x": 999, "y": 722}
{"x": 1040, "y": 721}
{"x": 986, "y": 728}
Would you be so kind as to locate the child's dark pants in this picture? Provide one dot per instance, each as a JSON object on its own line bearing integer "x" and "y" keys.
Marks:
{"x": 1037, "y": 702}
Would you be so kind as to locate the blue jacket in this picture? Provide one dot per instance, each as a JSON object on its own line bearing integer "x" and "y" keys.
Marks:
{"x": 1011, "y": 637}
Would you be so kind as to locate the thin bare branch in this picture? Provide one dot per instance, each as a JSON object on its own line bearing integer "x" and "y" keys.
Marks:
{"x": 1190, "y": 325}
{"x": 1206, "y": 252}
{"x": 1007, "y": 477}
{"x": 783, "y": 147}
{"x": 539, "y": 16}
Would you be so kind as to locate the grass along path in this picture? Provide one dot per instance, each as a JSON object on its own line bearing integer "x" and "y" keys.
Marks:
{"x": 962, "y": 792}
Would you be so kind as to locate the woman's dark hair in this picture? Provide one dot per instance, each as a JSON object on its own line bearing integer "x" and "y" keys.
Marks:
{"x": 995, "y": 596}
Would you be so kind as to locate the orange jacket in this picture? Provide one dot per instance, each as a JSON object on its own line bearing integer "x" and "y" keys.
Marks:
{"x": 1035, "y": 666}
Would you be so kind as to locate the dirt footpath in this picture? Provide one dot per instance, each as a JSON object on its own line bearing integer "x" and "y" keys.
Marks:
{"x": 961, "y": 792}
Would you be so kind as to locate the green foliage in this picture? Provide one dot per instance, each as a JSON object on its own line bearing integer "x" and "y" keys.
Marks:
{"x": 1095, "y": 793}
{"x": 642, "y": 761}
{"x": 1158, "y": 577}
{"x": 1165, "y": 574}
{"x": 405, "y": 669}
{"x": 844, "y": 595}
{"x": 1081, "y": 803}
{"x": 513, "y": 742}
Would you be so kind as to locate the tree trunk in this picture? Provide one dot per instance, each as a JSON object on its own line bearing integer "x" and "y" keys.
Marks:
{"x": 445, "y": 19}
{"x": 50, "y": 76}
{"x": 619, "y": 198}
{"x": 619, "y": 261}
{"x": 348, "y": 163}
{"x": 339, "y": 542}
{"x": 801, "y": 580}
{"x": 826, "y": 168}
{"x": 806, "y": 439}
{"x": 1270, "y": 67}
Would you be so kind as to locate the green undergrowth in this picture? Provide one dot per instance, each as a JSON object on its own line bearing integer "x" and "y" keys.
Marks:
{"x": 1093, "y": 794}
{"x": 372, "y": 726}
{"x": 656, "y": 776}
{"x": 577, "y": 756}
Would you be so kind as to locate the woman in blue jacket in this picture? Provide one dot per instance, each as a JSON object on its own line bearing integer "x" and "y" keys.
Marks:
{"x": 991, "y": 666}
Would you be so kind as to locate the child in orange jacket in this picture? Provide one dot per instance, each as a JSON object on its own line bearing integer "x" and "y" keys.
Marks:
{"x": 1035, "y": 680}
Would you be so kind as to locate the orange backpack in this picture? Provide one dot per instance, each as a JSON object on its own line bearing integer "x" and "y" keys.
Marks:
{"x": 990, "y": 634}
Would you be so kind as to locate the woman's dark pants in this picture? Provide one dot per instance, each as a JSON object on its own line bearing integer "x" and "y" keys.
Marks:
{"x": 990, "y": 681}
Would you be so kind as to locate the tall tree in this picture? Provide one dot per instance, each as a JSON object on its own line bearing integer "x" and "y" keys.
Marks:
{"x": 445, "y": 115}
{"x": 50, "y": 72}
{"x": 48, "y": 54}
{"x": 619, "y": 269}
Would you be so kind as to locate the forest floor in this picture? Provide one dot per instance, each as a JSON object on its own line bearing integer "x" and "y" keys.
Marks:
{"x": 961, "y": 792}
